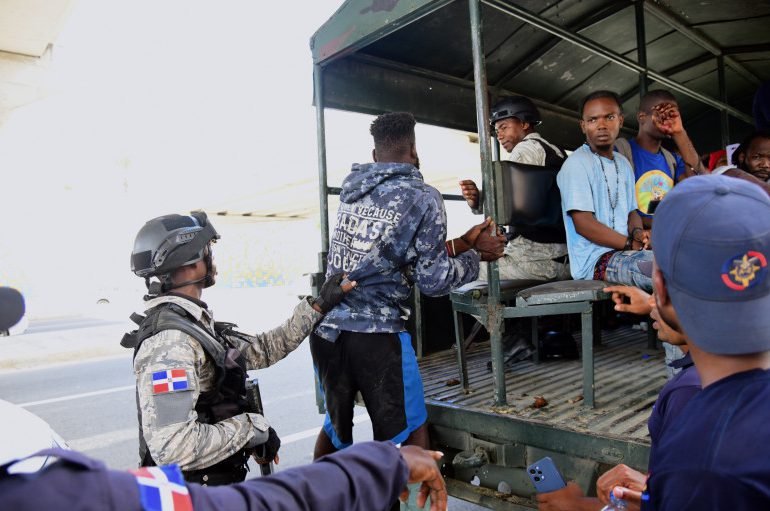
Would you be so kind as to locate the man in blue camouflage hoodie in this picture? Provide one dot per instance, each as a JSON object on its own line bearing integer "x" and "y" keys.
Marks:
{"x": 390, "y": 234}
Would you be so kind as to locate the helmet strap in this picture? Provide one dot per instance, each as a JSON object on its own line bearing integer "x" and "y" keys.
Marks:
{"x": 208, "y": 279}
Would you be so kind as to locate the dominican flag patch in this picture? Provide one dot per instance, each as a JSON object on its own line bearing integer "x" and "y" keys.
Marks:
{"x": 162, "y": 489}
{"x": 171, "y": 380}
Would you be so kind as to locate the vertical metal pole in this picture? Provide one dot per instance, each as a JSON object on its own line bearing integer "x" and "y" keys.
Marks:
{"x": 482, "y": 122}
{"x": 323, "y": 186}
{"x": 495, "y": 321}
{"x": 588, "y": 356}
{"x": 419, "y": 324}
{"x": 323, "y": 196}
{"x": 725, "y": 124}
{"x": 641, "y": 46}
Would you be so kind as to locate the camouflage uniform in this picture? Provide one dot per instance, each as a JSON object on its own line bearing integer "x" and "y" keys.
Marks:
{"x": 169, "y": 424}
{"x": 390, "y": 233}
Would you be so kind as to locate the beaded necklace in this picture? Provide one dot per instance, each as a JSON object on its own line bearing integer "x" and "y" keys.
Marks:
{"x": 613, "y": 204}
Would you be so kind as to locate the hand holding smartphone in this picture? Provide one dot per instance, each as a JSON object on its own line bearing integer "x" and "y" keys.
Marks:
{"x": 545, "y": 476}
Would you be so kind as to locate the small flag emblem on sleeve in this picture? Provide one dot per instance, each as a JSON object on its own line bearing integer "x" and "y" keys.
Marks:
{"x": 162, "y": 489}
{"x": 170, "y": 380}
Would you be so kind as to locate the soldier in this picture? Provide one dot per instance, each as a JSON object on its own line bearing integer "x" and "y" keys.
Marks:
{"x": 191, "y": 371}
{"x": 390, "y": 233}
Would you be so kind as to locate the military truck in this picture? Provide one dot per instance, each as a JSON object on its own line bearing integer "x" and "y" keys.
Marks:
{"x": 446, "y": 61}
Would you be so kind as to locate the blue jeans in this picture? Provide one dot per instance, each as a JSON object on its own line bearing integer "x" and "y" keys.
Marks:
{"x": 632, "y": 268}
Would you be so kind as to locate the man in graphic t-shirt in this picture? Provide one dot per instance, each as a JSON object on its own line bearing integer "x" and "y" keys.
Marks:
{"x": 657, "y": 169}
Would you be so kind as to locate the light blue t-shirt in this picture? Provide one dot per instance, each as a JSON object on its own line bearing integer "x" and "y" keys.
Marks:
{"x": 583, "y": 187}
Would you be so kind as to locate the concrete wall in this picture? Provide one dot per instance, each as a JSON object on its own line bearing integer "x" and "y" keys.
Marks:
{"x": 23, "y": 80}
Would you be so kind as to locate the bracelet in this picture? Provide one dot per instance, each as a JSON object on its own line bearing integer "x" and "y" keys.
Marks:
{"x": 454, "y": 252}
{"x": 450, "y": 248}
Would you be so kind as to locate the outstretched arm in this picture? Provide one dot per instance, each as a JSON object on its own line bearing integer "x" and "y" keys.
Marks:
{"x": 265, "y": 349}
{"x": 434, "y": 272}
{"x": 365, "y": 476}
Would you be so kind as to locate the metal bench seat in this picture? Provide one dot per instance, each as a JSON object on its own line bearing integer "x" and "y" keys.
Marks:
{"x": 478, "y": 290}
{"x": 561, "y": 292}
{"x": 524, "y": 299}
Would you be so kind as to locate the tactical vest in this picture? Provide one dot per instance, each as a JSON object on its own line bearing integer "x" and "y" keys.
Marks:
{"x": 552, "y": 158}
{"x": 226, "y": 399}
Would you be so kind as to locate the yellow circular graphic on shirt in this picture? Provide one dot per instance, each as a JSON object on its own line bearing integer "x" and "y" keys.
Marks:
{"x": 652, "y": 185}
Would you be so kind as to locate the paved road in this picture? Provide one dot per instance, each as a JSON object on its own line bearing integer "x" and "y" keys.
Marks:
{"x": 91, "y": 404}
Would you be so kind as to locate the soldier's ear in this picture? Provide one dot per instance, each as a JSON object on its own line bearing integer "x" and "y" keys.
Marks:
{"x": 374, "y": 154}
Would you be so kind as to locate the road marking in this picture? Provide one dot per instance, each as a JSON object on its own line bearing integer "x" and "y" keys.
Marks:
{"x": 102, "y": 440}
{"x": 289, "y": 396}
{"x": 309, "y": 433}
{"x": 77, "y": 396}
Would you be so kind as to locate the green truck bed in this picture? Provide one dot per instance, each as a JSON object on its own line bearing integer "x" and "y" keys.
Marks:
{"x": 582, "y": 441}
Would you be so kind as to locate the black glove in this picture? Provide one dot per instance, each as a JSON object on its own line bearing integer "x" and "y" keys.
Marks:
{"x": 265, "y": 453}
{"x": 331, "y": 293}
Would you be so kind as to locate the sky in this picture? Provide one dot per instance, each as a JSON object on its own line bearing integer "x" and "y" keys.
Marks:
{"x": 154, "y": 107}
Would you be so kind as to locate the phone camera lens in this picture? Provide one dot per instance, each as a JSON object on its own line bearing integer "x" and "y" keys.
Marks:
{"x": 540, "y": 472}
{"x": 531, "y": 470}
{"x": 537, "y": 479}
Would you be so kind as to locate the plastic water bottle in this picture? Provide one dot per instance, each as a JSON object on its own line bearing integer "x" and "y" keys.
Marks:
{"x": 615, "y": 504}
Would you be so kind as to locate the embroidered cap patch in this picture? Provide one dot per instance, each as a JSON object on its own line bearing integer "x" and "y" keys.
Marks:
{"x": 744, "y": 270}
{"x": 170, "y": 380}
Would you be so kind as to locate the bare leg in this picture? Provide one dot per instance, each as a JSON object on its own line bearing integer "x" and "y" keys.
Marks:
{"x": 418, "y": 437}
{"x": 323, "y": 445}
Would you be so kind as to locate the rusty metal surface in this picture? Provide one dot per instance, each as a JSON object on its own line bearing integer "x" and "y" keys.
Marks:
{"x": 628, "y": 380}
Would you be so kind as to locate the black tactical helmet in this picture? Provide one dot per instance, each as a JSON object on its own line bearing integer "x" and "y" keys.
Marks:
{"x": 515, "y": 106}
{"x": 170, "y": 242}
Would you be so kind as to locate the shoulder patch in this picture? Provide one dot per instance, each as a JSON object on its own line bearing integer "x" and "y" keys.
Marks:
{"x": 169, "y": 380}
{"x": 162, "y": 489}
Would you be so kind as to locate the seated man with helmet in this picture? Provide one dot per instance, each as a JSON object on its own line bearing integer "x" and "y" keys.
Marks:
{"x": 190, "y": 370}
{"x": 536, "y": 254}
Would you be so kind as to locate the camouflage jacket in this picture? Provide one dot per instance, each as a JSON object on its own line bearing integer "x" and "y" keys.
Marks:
{"x": 390, "y": 233}
{"x": 169, "y": 424}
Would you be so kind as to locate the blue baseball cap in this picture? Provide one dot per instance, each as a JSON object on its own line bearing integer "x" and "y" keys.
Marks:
{"x": 711, "y": 240}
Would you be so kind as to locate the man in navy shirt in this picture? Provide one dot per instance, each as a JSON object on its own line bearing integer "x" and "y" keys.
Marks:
{"x": 673, "y": 397}
{"x": 711, "y": 282}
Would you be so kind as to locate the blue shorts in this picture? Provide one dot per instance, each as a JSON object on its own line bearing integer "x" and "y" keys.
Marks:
{"x": 383, "y": 367}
